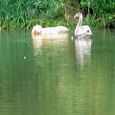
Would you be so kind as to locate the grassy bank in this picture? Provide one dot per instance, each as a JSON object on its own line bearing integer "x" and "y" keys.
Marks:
{"x": 23, "y": 14}
{"x": 28, "y": 24}
{"x": 20, "y": 24}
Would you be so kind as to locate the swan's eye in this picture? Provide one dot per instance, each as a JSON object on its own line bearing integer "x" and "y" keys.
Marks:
{"x": 88, "y": 31}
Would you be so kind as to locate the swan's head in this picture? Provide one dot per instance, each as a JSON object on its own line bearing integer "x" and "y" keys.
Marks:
{"x": 78, "y": 15}
{"x": 37, "y": 29}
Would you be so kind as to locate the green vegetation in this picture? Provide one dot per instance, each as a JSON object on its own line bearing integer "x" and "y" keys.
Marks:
{"x": 23, "y": 14}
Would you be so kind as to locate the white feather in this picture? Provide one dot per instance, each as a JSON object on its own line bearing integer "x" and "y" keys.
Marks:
{"x": 81, "y": 31}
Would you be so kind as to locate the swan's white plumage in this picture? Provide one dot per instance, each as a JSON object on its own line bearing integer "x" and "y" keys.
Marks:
{"x": 81, "y": 31}
{"x": 39, "y": 31}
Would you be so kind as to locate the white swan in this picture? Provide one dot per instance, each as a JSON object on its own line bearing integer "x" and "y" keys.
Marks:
{"x": 82, "y": 31}
{"x": 37, "y": 30}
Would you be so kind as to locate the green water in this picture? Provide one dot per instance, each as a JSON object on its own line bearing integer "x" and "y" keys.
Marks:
{"x": 57, "y": 77}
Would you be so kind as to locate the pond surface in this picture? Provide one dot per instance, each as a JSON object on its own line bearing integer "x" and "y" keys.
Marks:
{"x": 57, "y": 77}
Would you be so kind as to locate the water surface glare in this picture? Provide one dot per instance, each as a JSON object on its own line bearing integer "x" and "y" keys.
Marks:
{"x": 57, "y": 77}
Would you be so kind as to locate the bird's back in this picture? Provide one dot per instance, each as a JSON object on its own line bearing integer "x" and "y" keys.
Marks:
{"x": 83, "y": 31}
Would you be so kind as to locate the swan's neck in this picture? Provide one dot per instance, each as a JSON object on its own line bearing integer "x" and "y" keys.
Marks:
{"x": 80, "y": 21}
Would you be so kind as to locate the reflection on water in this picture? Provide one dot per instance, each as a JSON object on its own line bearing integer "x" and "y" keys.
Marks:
{"x": 83, "y": 51}
{"x": 49, "y": 81}
{"x": 40, "y": 41}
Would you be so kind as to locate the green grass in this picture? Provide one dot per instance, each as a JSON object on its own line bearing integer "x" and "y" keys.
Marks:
{"x": 24, "y": 14}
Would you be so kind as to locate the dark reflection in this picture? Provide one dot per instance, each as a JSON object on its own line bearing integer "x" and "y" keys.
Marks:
{"x": 83, "y": 51}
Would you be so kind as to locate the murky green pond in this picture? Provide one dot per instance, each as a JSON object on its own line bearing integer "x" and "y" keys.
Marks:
{"x": 57, "y": 77}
